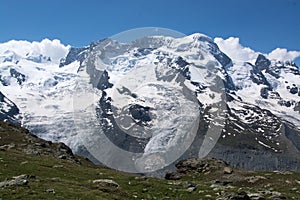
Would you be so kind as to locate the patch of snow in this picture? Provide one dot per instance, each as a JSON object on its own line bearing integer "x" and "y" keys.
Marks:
{"x": 265, "y": 145}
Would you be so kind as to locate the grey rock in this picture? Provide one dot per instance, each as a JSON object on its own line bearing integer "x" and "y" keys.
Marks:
{"x": 173, "y": 176}
{"x": 7, "y": 147}
{"x": 275, "y": 197}
{"x": 254, "y": 179}
{"x": 144, "y": 190}
{"x": 191, "y": 189}
{"x": 227, "y": 170}
{"x": 106, "y": 183}
{"x": 188, "y": 184}
{"x": 63, "y": 157}
{"x": 236, "y": 196}
{"x": 256, "y": 196}
{"x": 58, "y": 166}
{"x": 50, "y": 191}
{"x": 17, "y": 181}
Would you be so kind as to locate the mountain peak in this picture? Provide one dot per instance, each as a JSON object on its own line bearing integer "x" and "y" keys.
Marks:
{"x": 262, "y": 62}
{"x": 197, "y": 36}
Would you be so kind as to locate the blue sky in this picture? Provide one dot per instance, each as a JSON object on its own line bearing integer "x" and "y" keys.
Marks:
{"x": 261, "y": 25}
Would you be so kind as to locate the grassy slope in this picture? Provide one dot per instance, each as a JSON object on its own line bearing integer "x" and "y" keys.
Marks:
{"x": 72, "y": 178}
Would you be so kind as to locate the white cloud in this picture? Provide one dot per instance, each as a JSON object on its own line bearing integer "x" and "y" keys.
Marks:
{"x": 52, "y": 48}
{"x": 235, "y": 50}
{"x": 283, "y": 55}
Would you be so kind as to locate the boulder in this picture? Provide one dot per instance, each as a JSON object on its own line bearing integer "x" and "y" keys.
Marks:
{"x": 106, "y": 183}
{"x": 17, "y": 181}
{"x": 173, "y": 176}
{"x": 227, "y": 170}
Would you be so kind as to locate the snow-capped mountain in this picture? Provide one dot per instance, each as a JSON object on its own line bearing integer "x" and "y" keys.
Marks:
{"x": 32, "y": 79}
{"x": 156, "y": 100}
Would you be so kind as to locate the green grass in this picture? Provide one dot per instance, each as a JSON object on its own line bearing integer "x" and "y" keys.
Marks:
{"x": 73, "y": 180}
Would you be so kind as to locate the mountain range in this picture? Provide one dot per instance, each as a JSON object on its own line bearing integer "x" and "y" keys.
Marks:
{"x": 141, "y": 106}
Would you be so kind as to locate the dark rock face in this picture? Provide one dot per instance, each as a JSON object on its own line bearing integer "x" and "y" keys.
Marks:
{"x": 140, "y": 113}
{"x": 294, "y": 90}
{"x": 75, "y": 54}
{"x": 181, "y": 62}
{"x": 20, "y": 78}
{"x": 285, "y": 103}
{"x": 263, "y": 65}
{"x": 39, "y": 58}
{"x": 253, "y": 159}
{"x": 215, "y": 51}
{"x": 293, "y": 68}
{"x": 17, "y": 75}
{"x": 261, "y": 141}
{"x": 104, "y": 83}
{"x": 223, "y": 59}
{"x": 262, "y": 62}
{"x": 264, "y": 93}
{"x": 115, "y": 134}
{"x": 258, "y": 77}
{"x": 274, "y": 70}
{"x": 293, "y": 135}
{"x": 143, "y": 51}
{"x": 244, "y": 150}
{"x": 8, "y": 110}
{"x": 4, "y": 81}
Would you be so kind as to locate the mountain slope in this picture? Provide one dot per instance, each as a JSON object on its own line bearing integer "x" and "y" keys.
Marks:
{"x": 157, "y": 100}
{"x": 32, "y": 168}
{"x": 263, "y": 110}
